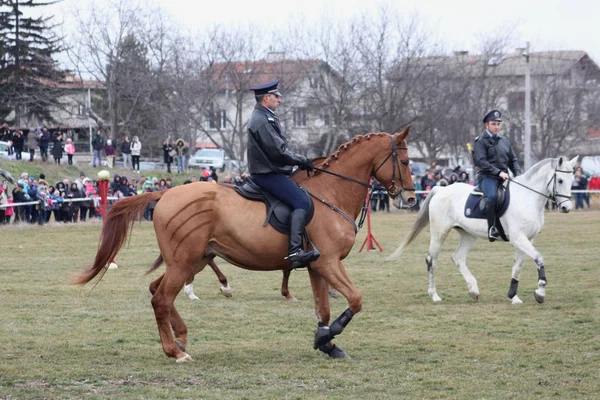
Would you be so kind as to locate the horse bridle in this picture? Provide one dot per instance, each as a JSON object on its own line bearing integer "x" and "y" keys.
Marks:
{"x": 554, "y": 194}
{"x": 393, "y": 189}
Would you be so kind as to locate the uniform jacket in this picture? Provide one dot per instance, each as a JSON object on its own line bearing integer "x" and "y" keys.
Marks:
{"x": 493, "y": 155}
{"x": 267, "y": 147}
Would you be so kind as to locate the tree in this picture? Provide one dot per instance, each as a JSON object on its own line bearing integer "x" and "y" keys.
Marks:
{"x": 28, "y": 71}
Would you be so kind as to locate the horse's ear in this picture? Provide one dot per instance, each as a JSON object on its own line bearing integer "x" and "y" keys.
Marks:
{"x": 560, "y": 161}
{"x": 402, "y": 135}
{"x": 574, "y": 160}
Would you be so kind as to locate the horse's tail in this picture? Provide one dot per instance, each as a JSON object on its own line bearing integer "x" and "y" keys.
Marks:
{"x": 119, "y": 220}
{"x": 421, "y": 222}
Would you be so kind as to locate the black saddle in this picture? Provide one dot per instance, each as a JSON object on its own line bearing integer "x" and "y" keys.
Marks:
{"x": 476, "y": 202}
{"x": 478, "y": 199}
{"x": 278, "y": 213}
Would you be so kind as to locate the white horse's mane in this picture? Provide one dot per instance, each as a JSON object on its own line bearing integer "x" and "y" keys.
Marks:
{"x": 531, "y": 172}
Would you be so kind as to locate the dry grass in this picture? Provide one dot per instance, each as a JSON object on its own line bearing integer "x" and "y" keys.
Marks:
{"x": 59, "y": 341}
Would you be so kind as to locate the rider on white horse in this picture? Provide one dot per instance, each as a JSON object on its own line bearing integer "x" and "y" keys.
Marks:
{"x": 493, "y": 156}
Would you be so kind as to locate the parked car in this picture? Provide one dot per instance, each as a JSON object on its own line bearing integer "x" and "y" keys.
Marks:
{"x": 206, "y": 158}
{"x": 4, "y": 150}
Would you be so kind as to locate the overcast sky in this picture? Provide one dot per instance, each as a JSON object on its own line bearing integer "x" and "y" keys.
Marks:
{"x": 547, "y": 25}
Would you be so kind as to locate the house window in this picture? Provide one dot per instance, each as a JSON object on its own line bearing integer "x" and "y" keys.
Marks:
{"x": 216, "y": 119}
{"x": 299, "y": 117}
{"x": 327, "y": 117}
{"x": 81, "y": 110}
{"x": 316, "y": 82}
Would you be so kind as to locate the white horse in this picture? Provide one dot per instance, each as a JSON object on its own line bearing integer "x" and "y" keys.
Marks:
{"x": 549, "y": 179}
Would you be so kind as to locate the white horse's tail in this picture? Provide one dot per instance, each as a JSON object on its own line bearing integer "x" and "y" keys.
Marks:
{"x": 421, "y": 222}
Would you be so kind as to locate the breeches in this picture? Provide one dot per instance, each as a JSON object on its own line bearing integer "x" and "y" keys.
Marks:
{"x": 490, "y": 188}
{"x": 284, "y": 189}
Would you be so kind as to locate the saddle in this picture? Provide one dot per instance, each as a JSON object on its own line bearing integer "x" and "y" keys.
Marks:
{"x": 278, "y": 213}
{"x": 476, "y": 203}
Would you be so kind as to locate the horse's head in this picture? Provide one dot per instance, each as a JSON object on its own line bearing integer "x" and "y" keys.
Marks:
{"x": 560, "y": 183}
{"x": 393, "y": 170}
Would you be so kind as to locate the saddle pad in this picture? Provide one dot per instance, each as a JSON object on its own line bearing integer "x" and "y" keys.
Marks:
{"x": 278, "y": 213}
{"x": 475, "y": 205}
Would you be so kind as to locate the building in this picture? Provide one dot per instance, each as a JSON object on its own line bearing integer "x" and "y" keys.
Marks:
{"x": 229, "y": 102}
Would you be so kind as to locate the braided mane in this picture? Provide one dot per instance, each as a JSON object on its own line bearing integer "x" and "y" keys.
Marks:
{"x": 323, "y": 162}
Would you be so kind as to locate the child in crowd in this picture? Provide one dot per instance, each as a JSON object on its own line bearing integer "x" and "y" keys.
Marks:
{"x": 70, "y": 149}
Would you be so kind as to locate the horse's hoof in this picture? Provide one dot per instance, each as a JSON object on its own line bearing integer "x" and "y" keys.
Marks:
{"x": 333, "y": 351}
{"x": 180, "y": 345}
{"x": 226, "y": 293}
{"x": 538, "y": 298}
{"x": 516, "y": 300}
{"x": 185, "y": 358}
{"x": 436, "y": 298}
{"x": 333, "y": 293}
{"x": 474, "y": 296}
{"x": 291, "y": 299}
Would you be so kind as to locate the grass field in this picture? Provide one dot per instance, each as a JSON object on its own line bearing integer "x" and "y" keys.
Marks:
{"x": 59, "y": 341}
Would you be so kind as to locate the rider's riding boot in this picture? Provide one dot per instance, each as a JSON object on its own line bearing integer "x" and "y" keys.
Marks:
{"x": 297, "y": 255}
{"x": 493, "y": 233}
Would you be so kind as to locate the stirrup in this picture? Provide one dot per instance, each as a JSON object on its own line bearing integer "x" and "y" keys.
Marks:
{"x": 493, "y": 234}
{"x": 299, "y": 260}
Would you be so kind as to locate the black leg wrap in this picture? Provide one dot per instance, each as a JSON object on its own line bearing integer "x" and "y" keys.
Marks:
{"x": 324, "y": 333}
{"x": 341, "y": 322}
{"x": 542, "y": 274}
{"x": 512, "y": 292}
{"x": 332, "y": 350}
{"x": 322, "y": 336}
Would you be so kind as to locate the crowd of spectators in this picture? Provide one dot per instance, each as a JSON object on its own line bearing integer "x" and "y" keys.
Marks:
{"x": 79, "y": 200}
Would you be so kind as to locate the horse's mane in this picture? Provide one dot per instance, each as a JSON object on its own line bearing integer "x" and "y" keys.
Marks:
{"x": 323, "y": 162}
{"x": 531, "y": 172}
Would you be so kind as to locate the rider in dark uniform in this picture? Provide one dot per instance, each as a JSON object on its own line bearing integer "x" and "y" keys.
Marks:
{"x": 493, "y": 157}
{"x": 270, "y": 163}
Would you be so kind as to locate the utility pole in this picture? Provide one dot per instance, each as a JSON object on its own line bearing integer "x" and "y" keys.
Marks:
{"x": 527, "y": 141}
{"x": 89, "y": 113}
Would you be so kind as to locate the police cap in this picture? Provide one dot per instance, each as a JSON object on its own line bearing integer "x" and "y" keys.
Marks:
{"x": 493, "y": 115}
{"x": 267, "y": 88}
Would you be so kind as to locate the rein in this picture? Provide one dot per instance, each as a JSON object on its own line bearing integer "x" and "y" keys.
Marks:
{"x": 554, "y": 195}
{"x": 392, "y": 190}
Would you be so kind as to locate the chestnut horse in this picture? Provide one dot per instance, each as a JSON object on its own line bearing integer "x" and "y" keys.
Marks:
{"x": 195, "y": 223}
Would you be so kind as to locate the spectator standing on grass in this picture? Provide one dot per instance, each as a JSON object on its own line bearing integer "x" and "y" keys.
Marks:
{"x": 136, "y": 151}
{"x": 97, "y": 146}
{"x": 32, "y": 143}
{"x": 181, "y": 149}
{"x": 126, "y": 153}
{"x": 57, "y": 203}
{"x": 70, "y": 149}
{"x": 3, "y": 202}
{"x": 73, "y": 193}
{"x": 45, "y": 138}
{"x": 10, "y": 211}
{"x": 79, "y": 182}
{"x": 19, "y": 197}
{"x": 57, "y": 147}
{"x": 18, "y": 142}
{"x": 168, "y": 153}
{"x": 579, "y": 183}
{"x": 110, "y": 153}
